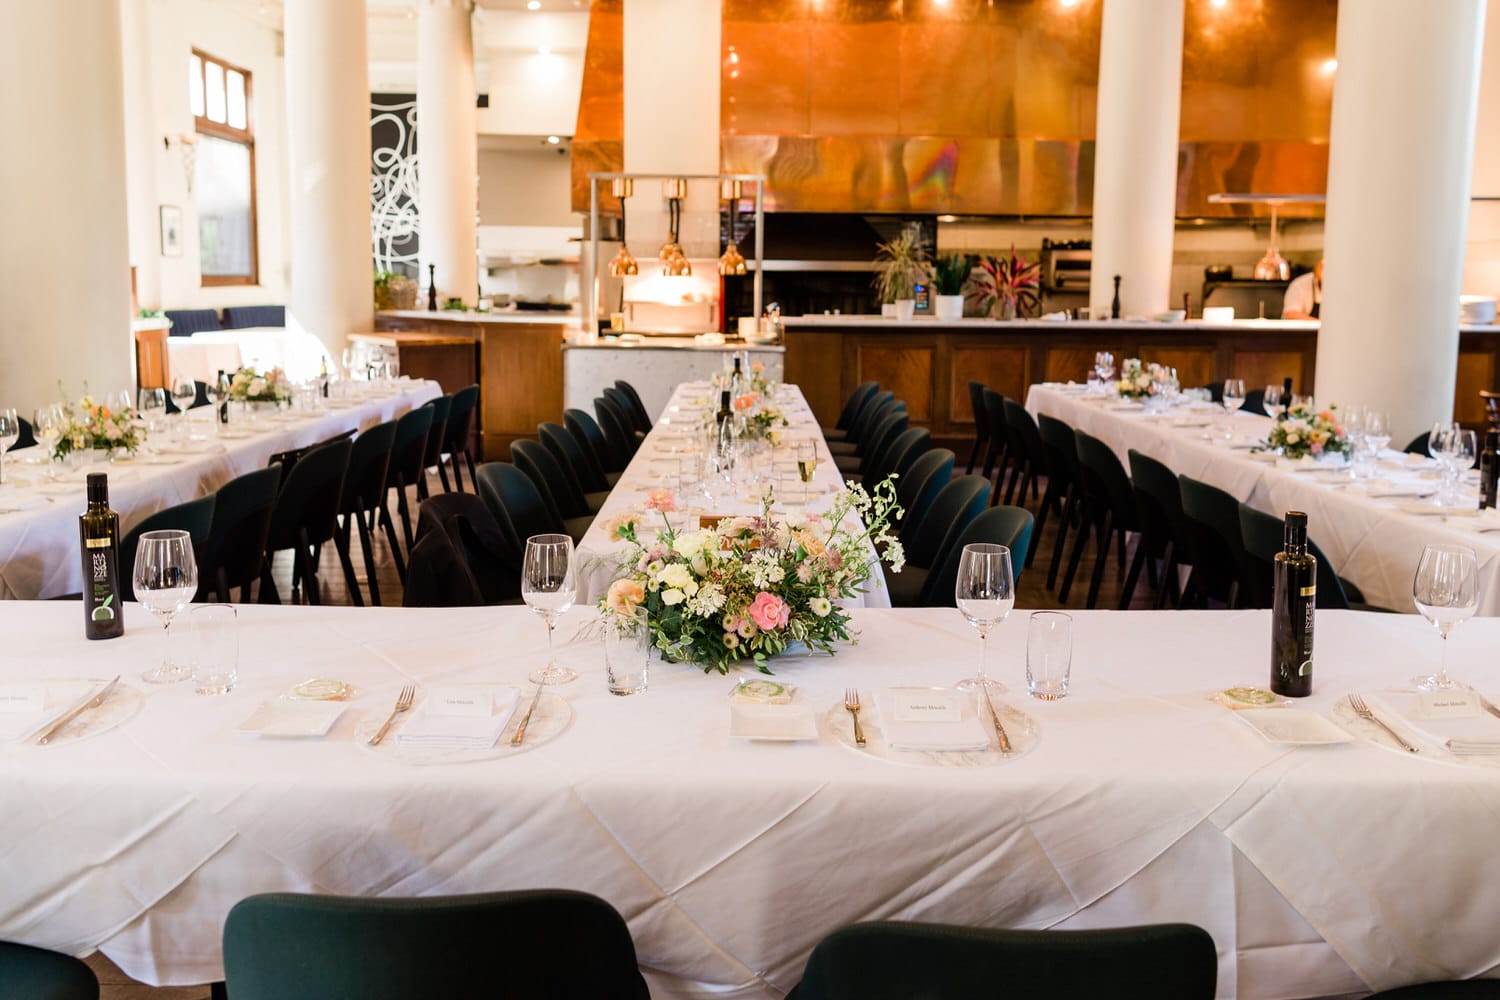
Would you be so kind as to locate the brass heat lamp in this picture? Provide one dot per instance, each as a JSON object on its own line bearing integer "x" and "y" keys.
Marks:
{"x": 623, "y": 263}
{"x": 674, "y": 261}
{"x": 732, "y": 261}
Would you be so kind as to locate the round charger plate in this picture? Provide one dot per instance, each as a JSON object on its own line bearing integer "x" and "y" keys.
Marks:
{"x": 1372, "y": 733}
{"x": 552, "y": 716}
{"x": 1022, "y": 730}
{"x": 122, "y": 705}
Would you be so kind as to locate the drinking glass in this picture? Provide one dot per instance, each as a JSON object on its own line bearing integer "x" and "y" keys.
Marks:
{"x": 984, "y": 593}
{"x": 1378, "y": 430}
{"x": 152, "y": 406}
{"x": 1049, "y": 654}
{"x": 47, "y": 424}
{"x": 807, "y": 463}
{"x": 118, "y": 401}
{"x": 183, "y": 394}
{"x": 1446, "y": 592}
{"x": 10, "y": 433}
{"x": 627, "y": 652}
{"x": 1304, "y": 401}
{"x": 1104, "y": 365}
{"x": 1234, "y": 398}
{"x": 547, "y": 587}
{"x": 165, "y": 578}
{"x": 1272, "y": 403}
{"x": 215, "y": 648}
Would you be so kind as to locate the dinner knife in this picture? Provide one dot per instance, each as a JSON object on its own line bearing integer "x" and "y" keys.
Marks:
{"x": 995, "y": 717}
{"x": 78, "y": 710}
{"x": 515, "y": 740}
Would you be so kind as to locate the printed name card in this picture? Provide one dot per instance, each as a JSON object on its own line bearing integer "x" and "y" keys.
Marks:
{"x": 922, "y": 705}
{"x": 470, "y": 701}
{"x": 19, "y": 698}
{"x": 1448, "y": 704}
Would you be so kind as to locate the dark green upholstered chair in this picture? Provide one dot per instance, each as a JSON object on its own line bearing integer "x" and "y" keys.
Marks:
{"x": 577, "y": 459}
{"x": 560, "y": 493}
{"x": 1471, "y": 989}
{"x": 884, "y": 961}
{"x": 856, "y": 399}
{"x": 615, "y": 425}
{"x": 864, "y": 420}
{"x": 405, "y": 469}
{"x": 1108, "y": 511}
{"x": 360, "y": 503}
{"x": 195, "y": 517}
{"x": 517, "y": 504}
{"x": 1158, "y": 501}
{"x": 959, "y": 503}
{"x": 38, "y": 974}
{"x": 919, "y": 487}
{"x": 544, "y": 944}
{"x": 1064, "y": 485}
{"x": 1216, "y": 546}
{"x": 1002, "y": 525}
{"x": 637, "y": 406}
{"x": 873, "y": 448}
{"x": 306, "y": 516}
{"x": 1264, "y": 535}
{"x": 236, "y": 544}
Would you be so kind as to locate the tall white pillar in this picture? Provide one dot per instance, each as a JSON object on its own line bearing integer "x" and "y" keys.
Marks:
{"x": 65, "y": 259}
{"x": 328, "y": 145}
{"x": 447, "y": 148}
{"x": 1401, "y": 150}
{"x": 1135, "y": 155}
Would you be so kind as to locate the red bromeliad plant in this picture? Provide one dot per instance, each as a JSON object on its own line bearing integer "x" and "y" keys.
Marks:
{"x": 1007, "y": 281}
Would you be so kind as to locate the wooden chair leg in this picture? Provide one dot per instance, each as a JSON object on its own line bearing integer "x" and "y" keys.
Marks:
{"x": 1103, "y": 557}
{"x": 341, "y": 542}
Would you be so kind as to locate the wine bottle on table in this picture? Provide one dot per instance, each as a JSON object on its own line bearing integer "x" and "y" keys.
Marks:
{"x": 1114, "y": 307}
{"x": 724, "y": 443}
{"x": 1489, "y": 470}
{"x": 1286, "y": 391}
{"x": 1292, "y": 609}
{"x": 223, "y": 385}
{"x": 323, "y": 375}
{"x": 99, "y": 544}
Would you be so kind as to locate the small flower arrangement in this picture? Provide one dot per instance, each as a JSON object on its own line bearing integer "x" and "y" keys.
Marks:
{"x": 250, "y": 386}
{"x": 748, "y": 587}
{"x": 1140, "y": 381}
{"x": 761, "y": 420}
{"x": 93, "y": 425}
{"x": 758, "y": 381}
{"x": 1010, "y": 283}
{"x": 1303, "y": 431}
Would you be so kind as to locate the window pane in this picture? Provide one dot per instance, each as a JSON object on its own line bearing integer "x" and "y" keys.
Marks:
{"x": 214, "y": 78}
{"x": 236, "y": 88}
{"x": 221, "y": 188}
{"x": 195, "y": 86}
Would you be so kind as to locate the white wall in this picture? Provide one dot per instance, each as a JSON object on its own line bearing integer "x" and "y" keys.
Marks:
{"x": 1482, "y": 261}
{"x": 159, "y": 36}
{"x": 525, "y": 188}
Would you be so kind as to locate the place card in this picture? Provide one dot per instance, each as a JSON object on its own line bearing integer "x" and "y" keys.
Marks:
{"x": 465, "y": 701}
{"x": 22, "y": 698}
{"x": 1448, "y": 704}
{"x": 925, "y": 705}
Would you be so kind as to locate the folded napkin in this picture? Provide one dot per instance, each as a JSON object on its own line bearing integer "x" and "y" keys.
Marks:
{"x": 1378, "y": 488}
{"x": 459, "y": 732}
{"x": 966, "y": 734}
{"x": 1473, "y": 735}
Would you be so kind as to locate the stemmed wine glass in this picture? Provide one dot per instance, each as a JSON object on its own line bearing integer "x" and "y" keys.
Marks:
{"x": 46, "y": 425}
{"x": 10, "y": 433}
{"x": 1272, "y": 402}
{"x": 152, "y": 406}
{"x": 548, "y": 588}
{"x": 1104, "y": 365}
{"x": 165, "y": 579}
{"x": 1446, "y": 592}
{"x": 984, "y": 593}
{"x": 1234, "y": 398}
{"x": 1377, "y": 430}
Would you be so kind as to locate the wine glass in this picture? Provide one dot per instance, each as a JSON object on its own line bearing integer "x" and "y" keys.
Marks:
{"x": 984, "y": 593}
{"x": 183, "y": 394}
{"x": 152, "y": 405}
{"x": 807, "y": 463}
{"x": 1377, "y": 430}
{"x": 1234, "y": 398}
{"x": 547, "y": 587}
{"x": 47, "y": 425}
{"x": 1446, "y": 592}
{"x": 165, "y": 579}
{"x": 1272, "y": 402}
{"x": 10, "y": 433}
{"x": 1104, "y": 364}
{"x": 117, "y": 400}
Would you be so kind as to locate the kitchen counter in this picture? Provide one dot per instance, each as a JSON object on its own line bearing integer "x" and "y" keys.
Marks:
{"x": 570, "y": 318}
{"x": 654, "y": 367}
{"x": 922, "y": 323}
{"x": 663, "y": 343}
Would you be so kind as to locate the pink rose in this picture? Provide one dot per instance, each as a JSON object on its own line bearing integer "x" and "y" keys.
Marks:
{"x": 661, "y": 500}
{"x": 769, "y": 611}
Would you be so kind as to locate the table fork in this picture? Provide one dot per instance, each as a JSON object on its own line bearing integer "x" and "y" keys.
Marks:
{"x": 403, "y": 704}
{"x": 1363, "y": 711}
{"x": 851, "y": 702}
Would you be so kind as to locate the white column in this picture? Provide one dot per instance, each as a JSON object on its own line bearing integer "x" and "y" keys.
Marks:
{"x": 65, "y": 259}
{"x": 328, "y": 156}
{"x": 447, "y": 148}
{"x": 1401, "y": 150}
{"x": 1135, "y": 155}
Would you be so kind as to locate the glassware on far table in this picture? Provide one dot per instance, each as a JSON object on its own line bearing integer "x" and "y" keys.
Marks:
{"x": 165, "y": 580}
{"x": 1104, "y": 365}
{"x": 1272, "y": 402}
{"x": 10, "y": 433}
{"x": 548, "y": 588}
{"x": 984, "y": 594}
{"x": 1233, "y": 399}
{"x": 1378, "y": 429}
{"x": 46, "y": 425}
{"x": 1446, "y": 592}
{"x": 151, "y": 405}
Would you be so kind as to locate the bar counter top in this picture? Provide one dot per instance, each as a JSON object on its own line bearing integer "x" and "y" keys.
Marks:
{"x": 666, "y": 343}
{"x": 528, "y": 317}
{"x": 929, "y": 323}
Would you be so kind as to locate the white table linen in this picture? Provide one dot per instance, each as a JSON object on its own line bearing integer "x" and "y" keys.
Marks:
{"x": 1318, "y": 870}
{"x": 202, "y": 356}
{"x": 39, "y": 544}
{"x": 654, "y": 467}
{"x": 1369, "y": 540}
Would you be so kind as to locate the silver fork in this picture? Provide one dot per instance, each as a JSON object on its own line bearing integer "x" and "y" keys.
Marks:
{"x": 851, "y": 702}
{"x": 1363, "y": 711}
{"x": 403, "y": 703}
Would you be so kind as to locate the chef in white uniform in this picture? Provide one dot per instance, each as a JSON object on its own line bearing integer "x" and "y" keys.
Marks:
{"x": 1304, "y": 296}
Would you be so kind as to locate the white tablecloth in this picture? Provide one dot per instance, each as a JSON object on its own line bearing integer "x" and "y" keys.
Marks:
{"x": 1370, "y": 541}
{"x": 655, "y": 466}
{"x": 202, "y": 356}
{"x": 1318, "y": 870}
{"x": 39, "y": 544}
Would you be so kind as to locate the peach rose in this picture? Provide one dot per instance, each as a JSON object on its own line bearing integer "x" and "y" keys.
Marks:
{"x": 769, "y": 611}
{"x": 661, "y": 500}
{"x": 624, "y": 596}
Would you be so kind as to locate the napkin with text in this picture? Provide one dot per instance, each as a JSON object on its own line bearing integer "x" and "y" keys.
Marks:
{"x": 469, "y": 718}
{"x": 1455, "y": 720}
{"x": 930, "y": 719}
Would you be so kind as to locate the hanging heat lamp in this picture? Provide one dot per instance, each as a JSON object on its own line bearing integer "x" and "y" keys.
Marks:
{"x": 623, "y": 263}
{"x": 674, "y": 261}
{"x": 732, "y": 261}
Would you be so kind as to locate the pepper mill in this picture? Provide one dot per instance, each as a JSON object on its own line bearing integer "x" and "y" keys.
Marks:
{"x": 1114, "y": 307}
{"x": 1187, "y": 309}
{"x": 432, "y": 287}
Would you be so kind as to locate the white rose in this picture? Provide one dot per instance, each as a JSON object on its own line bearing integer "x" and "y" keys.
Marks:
{"x": 671, "y": 597}
{"x": 820, "y": 606}
{"x": 677, "y": 576}
{"x": 689, "y": 543}
{"x": 257, "y": 387}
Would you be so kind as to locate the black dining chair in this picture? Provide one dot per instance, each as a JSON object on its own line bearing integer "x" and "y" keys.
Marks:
{"x": 438, "y": 574}
{"x": 305, "y": 517}
{"x": 458, "y": 437}
{"x": 939, "y": 962}
{"x": 586, "y": 431}
{"x": 916, "y": 491}
{"x": 1064, "y": 487}
{"x": 1007, "y": 459}
{"x": 235, "y": 548}
{"x": 618, "y": 435}
{"x": 634, "y": 405}
{"x": 884, "y": 457}
{"x": 26, "y": 438}
{"x": 869, "y": 413}
{"x": 28, "y": 973}
{"x": 195, "y": 517}
{"x": 405, "y": 469}
{"x": 432, "y": 451}
{"x": 959, "y": 503}
{"x": 1108, "y": 511}
{"x": 1002, "y": 525}
{"x": 1215, "y": 543}
{"x": 981, "y": 425}
{"x": 874, "y": 445}
{"x": 360, "y": 503}
{"x": 1164, "y": 531}
{"x": 908, "y": 446}
{"x": 1264, "y": 535}
{"x": 635, "y": 419}
{"x": 488, "y": 550}
{"x": 286, "y": 946}
{"x": 559, "y": 492}
{"x": 517, "y": 504}
{"x": 573, "y": 457}
{"x": 1031, "y": 460}
{"x": 856, "y": 399}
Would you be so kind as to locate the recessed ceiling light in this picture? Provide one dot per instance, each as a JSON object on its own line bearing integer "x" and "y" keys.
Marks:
{"x": 1330, "y": 67}
{"x": 553, "y": 140}
{"x": 545, "y": 50}
{"x": 534, "y": 5}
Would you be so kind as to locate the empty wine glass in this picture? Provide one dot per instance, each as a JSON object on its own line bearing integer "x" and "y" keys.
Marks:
{"x": 152, "y": 405}
{"x": 984, "y": 593}
{"x": 1104, "y": 364}
{"x": 1234, "y": 398}
{"x": 1446, "y": 592}
{"x": 10, "y": 433}
{"x": 118, "y": 400}
{"x": 183, "y": 394}
{"x": 1272, "y": 402}
{"x": 547, "y": 587}
{"x": 165, "y": 579}
{"x": 47, "y": 425}
{"x": 1378, "y": 430}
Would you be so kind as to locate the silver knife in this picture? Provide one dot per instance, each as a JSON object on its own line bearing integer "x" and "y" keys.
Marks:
{"x": 1485, "y": 703}
{"x": 515, "y": 740}
{"x": 995, "y": 717}
{"x": 78, "y": 710}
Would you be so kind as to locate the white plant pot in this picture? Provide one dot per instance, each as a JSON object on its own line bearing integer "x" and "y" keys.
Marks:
{"x": 948, "y": 307}
{"x": 888, "y": 310}
{"x": 905, "y": 309}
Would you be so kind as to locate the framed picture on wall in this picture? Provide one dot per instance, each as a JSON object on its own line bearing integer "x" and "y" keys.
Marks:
{"x": 171, "y": 231}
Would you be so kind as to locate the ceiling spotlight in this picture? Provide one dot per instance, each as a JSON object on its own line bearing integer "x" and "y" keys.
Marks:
{"x": 534, "y": 5}
{"x": 1220, "y": 4}
{"x": 553, "y": 140}
{"x": 1330, "y": 67}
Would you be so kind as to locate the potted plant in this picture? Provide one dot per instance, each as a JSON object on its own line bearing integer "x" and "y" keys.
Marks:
{"x": 1006, "y": 287}
{"x": 949, "y": 277}
{"x": 394, "y": 291}
{"x": 900, "y": 266}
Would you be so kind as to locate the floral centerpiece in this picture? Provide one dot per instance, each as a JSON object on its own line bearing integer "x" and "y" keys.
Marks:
{"x": 250, "y": 386}
{"x": 88, "y": 425}
{"x": 1009, "y": 286}
{"x": 761, "y": 420}
{"x": 1303, "y": 431}
{"x": 748, "y": 587}
{"x": 1140, "y": 381}
{"x": 758, "y": 380}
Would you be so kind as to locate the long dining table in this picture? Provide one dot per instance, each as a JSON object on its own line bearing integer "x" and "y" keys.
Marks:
{"x": 40, "y": 502}
{"x": 1318, "y": 870}
{"x": 1372, "y": 531}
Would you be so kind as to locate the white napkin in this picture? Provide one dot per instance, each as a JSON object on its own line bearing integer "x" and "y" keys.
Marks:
{"x": 966, "y": 734}
{"x": 1466, "y": 736}
{"x": 459, "y": 732}
{"x": 1388, "y": 488}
